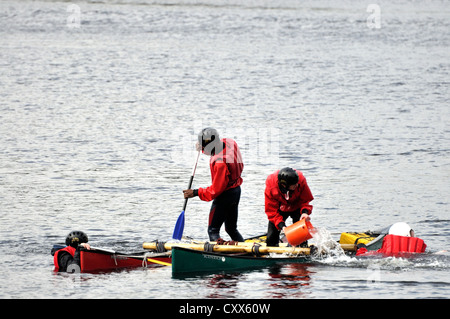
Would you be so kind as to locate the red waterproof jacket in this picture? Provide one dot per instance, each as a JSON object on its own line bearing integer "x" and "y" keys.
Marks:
{"x": 226, "y": 168}
{"x": 68, "y": 249}
{"x": 275, "y": 200}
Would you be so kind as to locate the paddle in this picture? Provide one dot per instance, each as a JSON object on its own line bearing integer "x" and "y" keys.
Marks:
{"x": 179, "y": 226}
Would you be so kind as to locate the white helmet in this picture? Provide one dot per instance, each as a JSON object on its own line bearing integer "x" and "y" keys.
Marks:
{"x": 401, "y": 229}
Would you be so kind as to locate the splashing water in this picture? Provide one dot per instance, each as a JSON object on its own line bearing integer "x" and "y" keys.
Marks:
{"x": 325, "y": 244}
{"x": 330, "y": 252}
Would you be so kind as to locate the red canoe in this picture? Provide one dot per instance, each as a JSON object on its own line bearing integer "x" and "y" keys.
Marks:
{"x": 97, "y": 259}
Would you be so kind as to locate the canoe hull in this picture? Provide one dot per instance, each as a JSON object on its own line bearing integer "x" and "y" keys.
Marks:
{"x": 96, "y": 261}
{"x": 186, "y": 260}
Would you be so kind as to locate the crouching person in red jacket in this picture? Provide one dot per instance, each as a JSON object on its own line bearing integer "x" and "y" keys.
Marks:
{"x": 287, "y": 195}
{"x": 225, "y": 191}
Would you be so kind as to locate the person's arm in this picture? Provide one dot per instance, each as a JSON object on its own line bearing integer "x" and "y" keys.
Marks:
{"x": 271, "y": 207}
{"x": 219, "y": 183}
{"x": 305, "y": 197}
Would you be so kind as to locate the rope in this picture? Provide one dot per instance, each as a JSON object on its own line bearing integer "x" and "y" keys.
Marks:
{"x": 144, "y": 260}
{"x": 160, "y": 247}
{"x": 255, "y": 250}
{"x": 208, "y": 247}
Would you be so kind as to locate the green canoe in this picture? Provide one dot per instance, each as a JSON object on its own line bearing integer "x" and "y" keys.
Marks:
{"x": 187, "y": 260}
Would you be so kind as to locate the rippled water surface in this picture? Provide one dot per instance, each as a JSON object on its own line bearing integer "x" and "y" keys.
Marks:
{"x": 101, "y": 102}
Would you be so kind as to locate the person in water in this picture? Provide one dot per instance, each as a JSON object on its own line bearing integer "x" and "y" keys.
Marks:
{"x": 226, "y": 167}
{"x": 68, "y": 258}
{"x": 286, "y": 195}
{"x": 400, "y": 240}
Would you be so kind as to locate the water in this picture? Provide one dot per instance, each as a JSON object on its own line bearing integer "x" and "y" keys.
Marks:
{"x": 101, "y": 102}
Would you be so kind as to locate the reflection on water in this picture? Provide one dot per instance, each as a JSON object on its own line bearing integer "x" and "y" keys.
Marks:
{"x": 289, "y": 281}
{"x": 224, "y": 285}
{"x": 279, "y": 281}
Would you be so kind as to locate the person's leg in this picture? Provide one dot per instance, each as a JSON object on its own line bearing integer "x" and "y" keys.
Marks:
{"x": 233, "y": 197}
{"x": 217, "y": 215}
{"x": 216, "y": 219}
{"x": 273, "y": 235}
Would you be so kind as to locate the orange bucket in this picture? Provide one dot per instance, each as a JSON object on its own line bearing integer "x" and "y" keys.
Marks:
{"x": 298, "y": 232}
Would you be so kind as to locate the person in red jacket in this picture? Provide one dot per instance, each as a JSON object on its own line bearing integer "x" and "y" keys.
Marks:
{"x": 68, "y": 258}
{"x": 286, "y": 195}
{"x": 226, "y": 167}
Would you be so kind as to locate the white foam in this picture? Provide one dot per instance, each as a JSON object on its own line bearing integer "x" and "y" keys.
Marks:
{"x": 325, "y": 244}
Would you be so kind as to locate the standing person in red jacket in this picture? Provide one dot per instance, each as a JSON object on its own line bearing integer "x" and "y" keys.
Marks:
{"x": 287, "y": 195}
{"x": 225, "y": 191}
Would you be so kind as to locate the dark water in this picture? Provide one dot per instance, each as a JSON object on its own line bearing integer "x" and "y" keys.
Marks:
{"x": 101, "y": 102}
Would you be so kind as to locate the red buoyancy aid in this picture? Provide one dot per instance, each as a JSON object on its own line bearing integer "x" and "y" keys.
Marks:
{"x": 68, "y": 249}
{"x": 275, "y": 200}
{"x": 226, "y": 169}
{"x": 394, "y": 245}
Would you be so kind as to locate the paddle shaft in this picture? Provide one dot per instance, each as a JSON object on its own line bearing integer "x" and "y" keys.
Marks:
{"x": 191, "y": 180}
{"x": 189, "y": 187}
{"x": 179, "y": 225}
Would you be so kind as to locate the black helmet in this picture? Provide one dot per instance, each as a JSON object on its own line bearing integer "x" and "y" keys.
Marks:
{"x": 287, "y": 177}
{"x": 206, "y": 136}
{"x": 75, "y": 238}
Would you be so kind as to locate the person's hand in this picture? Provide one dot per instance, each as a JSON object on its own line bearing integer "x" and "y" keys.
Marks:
{"x": 188, "y": 193}
{"x": 198, "y": 147}
{"x": 306, "y": 217}
{"x": 86, "y": 245}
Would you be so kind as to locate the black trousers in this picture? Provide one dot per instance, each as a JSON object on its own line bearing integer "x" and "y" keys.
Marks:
{"x": 273, "y": 234}
{"x": 224, "y": 209}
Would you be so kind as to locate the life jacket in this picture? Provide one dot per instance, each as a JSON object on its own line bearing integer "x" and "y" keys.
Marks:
{"x": 394, "y": 245}
{"x": 276, "y": 201}
{"x": 68, "y": 249}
